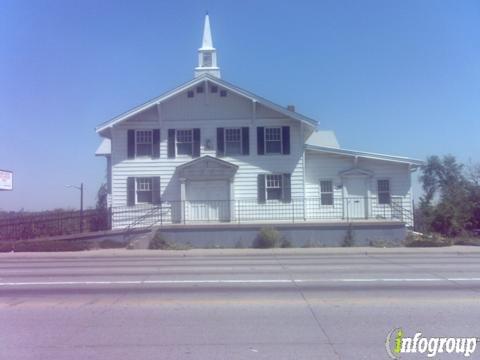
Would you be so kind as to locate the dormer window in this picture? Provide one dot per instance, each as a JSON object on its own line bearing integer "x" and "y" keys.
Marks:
{"x": 207, "y": 59}
{"x": 223, "y": 93}
{"x": 199, "y": 89}
{"x": 190, "y": 93}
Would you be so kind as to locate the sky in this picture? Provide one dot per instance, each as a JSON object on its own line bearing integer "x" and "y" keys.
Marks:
{"x": 394, "y": 77}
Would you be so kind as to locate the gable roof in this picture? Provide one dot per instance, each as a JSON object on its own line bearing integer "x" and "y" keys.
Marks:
{"x": 367, "y": 155}
{"x": 234, "y": 89}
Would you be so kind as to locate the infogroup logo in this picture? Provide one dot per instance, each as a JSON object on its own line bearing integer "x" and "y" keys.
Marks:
{"x": 397, "y": 343}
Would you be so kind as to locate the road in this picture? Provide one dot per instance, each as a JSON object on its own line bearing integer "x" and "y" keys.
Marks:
{"x": 233, "y": 304}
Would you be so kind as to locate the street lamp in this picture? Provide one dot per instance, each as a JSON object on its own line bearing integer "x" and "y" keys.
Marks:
{"x": 81, "y": 202}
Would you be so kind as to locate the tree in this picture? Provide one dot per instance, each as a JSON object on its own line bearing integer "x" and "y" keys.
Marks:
{"x": 451, "y": 203}
{"x": 101, "y": 221}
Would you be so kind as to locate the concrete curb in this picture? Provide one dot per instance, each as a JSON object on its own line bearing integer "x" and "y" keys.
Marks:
{"x": 358, "y": 251}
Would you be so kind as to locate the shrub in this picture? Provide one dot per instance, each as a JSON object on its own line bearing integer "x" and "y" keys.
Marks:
{"x": 348, "y": 240}
{"x": 285, "y": 243}
{"x": 158, "y": 241}
{"x": 467, "y": 241}
{"x": 267, "y": 237}
{"x": 421, "y": 240}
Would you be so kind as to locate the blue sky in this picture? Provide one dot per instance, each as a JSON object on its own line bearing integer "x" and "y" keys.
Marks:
{"x": 396, "y": 77}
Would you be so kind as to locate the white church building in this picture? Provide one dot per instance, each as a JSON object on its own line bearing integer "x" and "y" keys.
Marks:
{"x": 209, "y": 153}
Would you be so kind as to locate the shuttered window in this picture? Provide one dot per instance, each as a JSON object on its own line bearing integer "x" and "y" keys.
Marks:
{"x": 326, "y": 192}
{"x": 144, "y": 142}
{"x": 383, "y": 188}
{"x": 144, "y": 190}
{"x": 273, "y": 140}
{"x": 273, "y": 187}
{"x": 184, "y": 141}
{"x": 233, "y": 141}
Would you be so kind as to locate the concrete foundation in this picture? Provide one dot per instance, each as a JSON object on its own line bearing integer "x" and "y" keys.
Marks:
{"x": 299, "y": 235}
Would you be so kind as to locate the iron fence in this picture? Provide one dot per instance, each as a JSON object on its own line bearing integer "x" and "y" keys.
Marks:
{"x": 20, "y": 226}
{"x": 251, "y": 210}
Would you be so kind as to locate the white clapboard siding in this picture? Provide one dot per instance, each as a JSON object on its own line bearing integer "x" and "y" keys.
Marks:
{"x": 183, "y": 112}
{"x": 321, "y": 166}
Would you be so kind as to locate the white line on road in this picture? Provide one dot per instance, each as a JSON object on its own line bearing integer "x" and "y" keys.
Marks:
{"x": 228, "y": 281}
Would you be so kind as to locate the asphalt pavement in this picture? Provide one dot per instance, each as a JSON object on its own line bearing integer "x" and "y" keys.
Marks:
{"x": 234, "y": 304}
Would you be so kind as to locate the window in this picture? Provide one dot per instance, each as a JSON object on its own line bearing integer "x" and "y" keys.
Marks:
{"x": 326, "y": 192}
{"x": 273, "y": 140}
{"x": 184, "y": 142}
{"x": 199, "y": 89}
{"x": 214, "y": 89}
{"x": 223, "y": 93}
{"x": 207, "y": 60}
{"x": 144, "y": 190}
{"x": 144, "y": 142}
{"x": 233, "y": 141}
{"x": 273, "y": 187}
{"x": 190, "y": 93}
{"x": 383, "y": 188}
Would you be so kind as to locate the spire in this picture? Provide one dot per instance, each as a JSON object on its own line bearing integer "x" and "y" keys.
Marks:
{"x": 207, "y": 43}
{"x": 207, "y": 54}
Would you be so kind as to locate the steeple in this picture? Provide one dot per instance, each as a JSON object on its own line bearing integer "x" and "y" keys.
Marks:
{"x": 207, "y": 54}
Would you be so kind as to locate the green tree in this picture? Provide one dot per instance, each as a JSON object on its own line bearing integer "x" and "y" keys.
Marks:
{"x": 448, "y": 205}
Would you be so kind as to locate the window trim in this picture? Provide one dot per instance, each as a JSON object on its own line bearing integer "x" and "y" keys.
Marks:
{"x": 265, "y": 140}
{"x": 225, "y": 141}
{"x": 137, "y": 179}
{"x": 267, "y": 187}
{"x": 176, "y": 143}
{"x": 327, "y": 192}
{"x": 389, "y": 191}
{"x": 137, "y": 143}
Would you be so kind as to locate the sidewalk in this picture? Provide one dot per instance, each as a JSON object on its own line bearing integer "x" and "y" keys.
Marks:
{"x": 451, "y": 250}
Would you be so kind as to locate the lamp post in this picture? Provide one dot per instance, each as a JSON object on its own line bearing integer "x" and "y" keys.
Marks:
{"x": 81, "y": 202}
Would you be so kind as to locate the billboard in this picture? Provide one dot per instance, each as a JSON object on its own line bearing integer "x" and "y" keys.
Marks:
{"x": 6, "y": 180}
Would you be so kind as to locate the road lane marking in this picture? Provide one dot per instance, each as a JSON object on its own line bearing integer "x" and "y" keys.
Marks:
{"x": 229, "y": 281}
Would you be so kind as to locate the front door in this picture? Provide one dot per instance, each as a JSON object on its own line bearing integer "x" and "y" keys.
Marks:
{"x": 207, "y": 201}
{"x": 355, "y": 206}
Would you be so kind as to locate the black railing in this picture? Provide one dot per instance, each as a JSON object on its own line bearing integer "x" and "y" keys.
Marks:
{"x": 25, "y": 226}
{"x": 251, "y": 211}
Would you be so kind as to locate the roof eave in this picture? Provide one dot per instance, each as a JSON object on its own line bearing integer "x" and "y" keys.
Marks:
{"x": 310, "y": 122}
{"x": 367, "y": 155}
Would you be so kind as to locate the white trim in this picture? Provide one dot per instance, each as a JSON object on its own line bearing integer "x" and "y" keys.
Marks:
{"x": 137, "y": 202}
{"x": 281, "y": 187}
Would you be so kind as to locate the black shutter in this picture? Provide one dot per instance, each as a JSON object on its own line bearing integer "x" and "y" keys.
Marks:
{"x": 196, "y": 143}
{"x": 156, "y": 144}
{"x": 131, "y": 144}
{"x": 171, "y": 143}
{"x": 261, "y": 188}
{"x": 156, "y": 190}
{"x": 130, "y": 191}
{"x": 287, "y": 188}
{"x": 260, "y": 140}
{"x": 286, "y": 139}
{"x": 220, "y": 142}
{"x": 245, "y": 140}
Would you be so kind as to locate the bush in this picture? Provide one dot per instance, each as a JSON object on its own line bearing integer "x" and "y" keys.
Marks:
{"x": 267, "y": 237}
{"x": 467, "y": 241}
{"x": 348, "y": 240}
{"x": 421, "y": 240}
{"x": 285, "y": 243}
{"x": 158, "y": 241}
